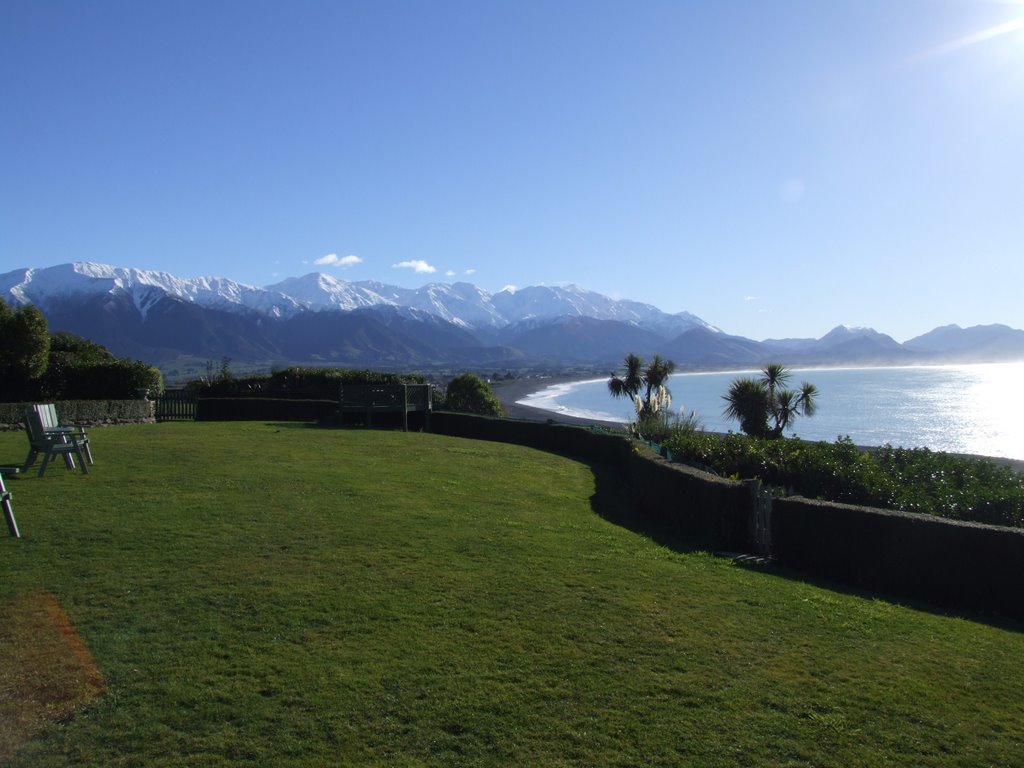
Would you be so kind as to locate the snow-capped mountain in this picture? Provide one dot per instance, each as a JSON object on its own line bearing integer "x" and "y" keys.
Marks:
{"x": 461, "y": 304}
{"x": 86, "y": 279}
{"x": 318, "y": 319}
{"x": 318, "y": 291}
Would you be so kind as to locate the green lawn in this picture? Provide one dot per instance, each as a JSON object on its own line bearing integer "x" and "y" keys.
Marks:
{"x": 278, "y": 595}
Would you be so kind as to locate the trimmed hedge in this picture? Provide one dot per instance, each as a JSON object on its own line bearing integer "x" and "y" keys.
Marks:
{"x": 710, "y": 510}
{"x": 603, "y": 446}
{"x": 86, "y": 411}
{"x": 263, "y": 409}
{"x": 951, "y": 562}
{"x": 911, "y": 480}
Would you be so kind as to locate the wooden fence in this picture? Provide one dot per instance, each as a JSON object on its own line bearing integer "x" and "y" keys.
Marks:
{"x": 175, "y": 405}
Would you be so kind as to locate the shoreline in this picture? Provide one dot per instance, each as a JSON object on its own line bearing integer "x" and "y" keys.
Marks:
{"x": 508, "y": 392}
{"x": 517, "y": 389}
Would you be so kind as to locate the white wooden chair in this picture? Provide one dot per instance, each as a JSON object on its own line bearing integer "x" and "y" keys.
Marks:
{"x": 52, "y": 444}
{"x": 48, "y": 416}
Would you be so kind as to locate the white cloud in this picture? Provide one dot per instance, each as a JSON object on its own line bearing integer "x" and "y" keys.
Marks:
{"x": 751, "y": 298}
{"x": 450, "y": 273}
{"x": 418, "y": 266}
{"x": 470, "y": 271}
{"x": 510, "y": 288}
{"x": 332, "y": 260}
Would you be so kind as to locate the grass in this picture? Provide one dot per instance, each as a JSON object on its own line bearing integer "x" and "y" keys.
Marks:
{"x": 47, "y": 675}
{"x": 259, "y": 594}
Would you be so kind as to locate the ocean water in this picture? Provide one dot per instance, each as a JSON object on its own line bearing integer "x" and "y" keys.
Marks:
{"x": 958, "y": 408}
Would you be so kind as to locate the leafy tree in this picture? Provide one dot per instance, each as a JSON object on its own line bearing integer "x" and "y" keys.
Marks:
{"x": 24, "y": 353}
{"x": 75, "y": 350}
{"x": 645, "y": 386}
{"x": 34, "y": 363}
{"x": 763, "y": 407}
{"x": 469, "y": 393}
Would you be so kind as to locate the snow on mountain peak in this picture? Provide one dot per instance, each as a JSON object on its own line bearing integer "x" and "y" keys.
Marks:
{"x": 462, "y": 304}
{"x": 39, "y": 286}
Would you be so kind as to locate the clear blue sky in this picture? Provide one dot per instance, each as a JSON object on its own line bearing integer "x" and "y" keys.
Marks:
{"x": 777, "y": 168}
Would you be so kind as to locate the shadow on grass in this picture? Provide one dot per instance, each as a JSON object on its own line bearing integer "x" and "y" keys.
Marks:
{"x": 613, "y": 502}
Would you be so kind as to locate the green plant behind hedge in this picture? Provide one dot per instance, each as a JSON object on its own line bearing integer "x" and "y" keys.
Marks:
{"x": 912, "y": 480}
{"x": 120, "y": 379}
{"x": 300, "y": 383}
{"x": 962, "y": 488}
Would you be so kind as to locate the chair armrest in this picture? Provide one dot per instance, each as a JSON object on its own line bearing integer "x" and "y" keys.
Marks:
{"x": 66, "y": 431}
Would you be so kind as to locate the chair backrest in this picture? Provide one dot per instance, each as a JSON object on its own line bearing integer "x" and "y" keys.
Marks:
{"x": 34, "y": 427}
{"x": 47, "y": 415}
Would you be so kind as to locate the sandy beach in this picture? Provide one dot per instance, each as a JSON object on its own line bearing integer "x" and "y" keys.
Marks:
{"x": 516, "y": 389}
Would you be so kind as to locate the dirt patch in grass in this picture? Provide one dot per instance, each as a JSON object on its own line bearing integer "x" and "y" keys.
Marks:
{"x": 47, "y": 672}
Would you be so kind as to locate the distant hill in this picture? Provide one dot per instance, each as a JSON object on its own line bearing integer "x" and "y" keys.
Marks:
{"x": 980, "y": 342}
{"x": 318, "y": 319}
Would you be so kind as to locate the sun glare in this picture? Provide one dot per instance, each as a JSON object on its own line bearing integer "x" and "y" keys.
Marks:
{"x": 984, "y": 35}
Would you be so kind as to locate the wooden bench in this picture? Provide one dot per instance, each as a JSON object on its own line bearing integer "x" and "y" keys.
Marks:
{"x": 52, "y": 444}
{"x": 370, "y": 399}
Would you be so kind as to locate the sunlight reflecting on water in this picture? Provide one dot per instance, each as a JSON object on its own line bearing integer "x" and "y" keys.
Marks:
{"x": 962, "y": 408}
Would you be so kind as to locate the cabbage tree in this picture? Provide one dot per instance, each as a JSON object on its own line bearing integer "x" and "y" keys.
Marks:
{"x": 644, "y": 384}
{"x": 764, "y": 407}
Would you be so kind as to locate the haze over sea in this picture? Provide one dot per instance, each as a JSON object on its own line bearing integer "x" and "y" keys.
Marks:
{"x": 975, "y": 409}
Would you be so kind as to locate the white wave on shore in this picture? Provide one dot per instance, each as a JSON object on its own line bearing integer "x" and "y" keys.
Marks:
{"x": 547, "y": 400}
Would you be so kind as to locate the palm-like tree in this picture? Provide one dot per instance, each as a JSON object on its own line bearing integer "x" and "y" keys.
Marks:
{"x": 763, "y": 407}
{"x": 631, "y": 381}
{"x": 748, "y": 403}
{"x": 645, "y": 386}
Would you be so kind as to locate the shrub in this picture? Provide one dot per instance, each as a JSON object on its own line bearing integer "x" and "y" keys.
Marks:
{"x": 662, "y": 426}
{"x": 915, "y": 480}
{"x": 35, "y": 364}
{"x": 112, "y": 380}
{"x": 963, "y": 488}
{"x": 469, "y": 393}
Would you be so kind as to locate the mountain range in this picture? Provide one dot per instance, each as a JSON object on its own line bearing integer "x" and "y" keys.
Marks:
{"x": 318, "y": 319}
